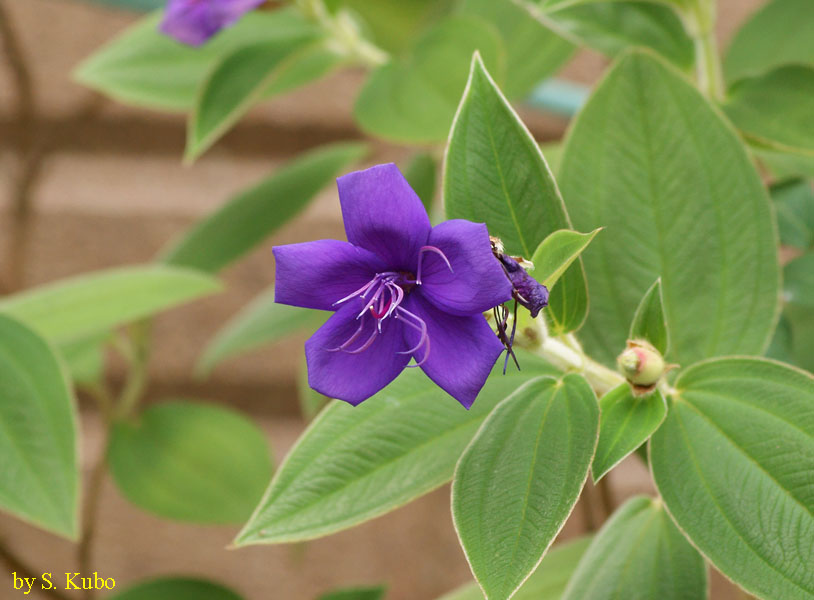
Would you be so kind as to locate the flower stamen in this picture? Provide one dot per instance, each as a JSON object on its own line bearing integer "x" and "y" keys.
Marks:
{"x": 421, "y": 257}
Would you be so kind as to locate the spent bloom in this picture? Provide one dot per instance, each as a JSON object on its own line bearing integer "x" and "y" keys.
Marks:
{"x": 193, "y": 22}
{"x": 400, "y": 289}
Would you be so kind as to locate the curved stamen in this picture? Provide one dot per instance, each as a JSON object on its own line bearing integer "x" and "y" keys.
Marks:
{"x": 421, "y": 260}
{"x": 361, "y": 291}
{"x": 350, "y": 340}
{"x": 424, "y": 339}
{"x": 368, "y": 343}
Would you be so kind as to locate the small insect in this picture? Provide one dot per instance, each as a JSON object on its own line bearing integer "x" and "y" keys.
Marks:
{"x": 526, "y": 291}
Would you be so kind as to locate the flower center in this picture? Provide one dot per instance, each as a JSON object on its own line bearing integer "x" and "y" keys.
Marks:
{"x": 383, "y": 296}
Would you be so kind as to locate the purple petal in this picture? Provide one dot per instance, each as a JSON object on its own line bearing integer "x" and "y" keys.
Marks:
{"x": 354, "y": 377}
{"x": 318, "y": 274}
{"x": 193, "y": 22}
{"x": 476, "y": 282}
{"x": 462, "y": 349}
{"x": 383, "y": 214}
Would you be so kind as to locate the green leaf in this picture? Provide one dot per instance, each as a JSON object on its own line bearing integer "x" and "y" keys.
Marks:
{"x": 732, "y": 462}
{"x": 639, "y": 554}
{"x": 177, "y": 588}
{"x": 357, "y": 593}
{"x": 557, "y": 252}
{"x": 193, "y": 462}
{"x": 258, "y": 324}
{"x": 533, "y": 51}
{"x": 414, "y": 100}
{"x": 69, "y": 309}
{"x": 801, "y": 321}
{"x": 85, "y": 358}
{"x": 546, "y": 583}
{"x": 777, "y": 34}
{"x": 238, "y": 82}
{"x": 354, "y": 464}
{"x": 650, "y": 160}
{"x": 794, "y": 204}
{"x": 626, "y": 423}
{"x": 782, "y": 345}
{"x": 776, "y": 108}
{"x": 798, "y": 276}
{"x": 393, "y": 24}
{"x": 557, "y": 5}
{"x": 519, "y": 479}
{"x": 649, "y": 322}
{"x": 783, "y": 164}
{"x": 421, "y": 175}
{"x": 612, "y": 27}
{"x": 144, "y": 67}
{"x": 494, "y": 173}
{"x": 254, "y": 214}
{"x": 39, "y": 471}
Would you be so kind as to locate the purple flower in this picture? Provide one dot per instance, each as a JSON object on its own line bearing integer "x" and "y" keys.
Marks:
{"x": 193, "y": 22}
{"x": 400, "y": 289}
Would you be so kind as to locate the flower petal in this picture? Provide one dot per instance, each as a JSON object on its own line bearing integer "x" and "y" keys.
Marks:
{"x": 354, "y": 377}
{"x": 476, "y": 282}
{"x": 462, "y": 349}
{"x": 383, "y": 214}
{"x": 317, "y": 274}
{"x": 193, "y": 22}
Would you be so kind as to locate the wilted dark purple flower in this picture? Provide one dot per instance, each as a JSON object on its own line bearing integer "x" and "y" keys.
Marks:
{"x": 400, "y": 289}
{"x": 193, "y": 22}
{"x": 527, "y": 291}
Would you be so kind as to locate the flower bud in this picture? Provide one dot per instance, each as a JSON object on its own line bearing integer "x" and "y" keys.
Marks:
{"x": 641, "y": 364}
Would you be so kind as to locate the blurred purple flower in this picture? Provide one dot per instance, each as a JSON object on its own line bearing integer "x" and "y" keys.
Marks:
{"x": 400, "y": 289}
{"x": 193, "y": 22}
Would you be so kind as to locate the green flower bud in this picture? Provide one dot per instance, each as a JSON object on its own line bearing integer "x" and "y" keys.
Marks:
{"x": 642, "y": 365}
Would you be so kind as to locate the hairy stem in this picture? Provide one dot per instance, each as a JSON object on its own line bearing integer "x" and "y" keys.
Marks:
{"x": 566, "y": 354}
{"x": 30, "y": 156}
{"x": 699, "y": 20}
{"x": 344, "y": 35}
{"x": 139, "y": 357}
{"x": 16, "y": 565}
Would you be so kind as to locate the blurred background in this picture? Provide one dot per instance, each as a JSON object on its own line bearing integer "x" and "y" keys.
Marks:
{"x": 106, "y": 187}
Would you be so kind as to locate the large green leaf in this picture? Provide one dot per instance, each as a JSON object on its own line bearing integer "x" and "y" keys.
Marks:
{"x": 39, "y": 471}
{"x": 191, "y": 462}
{"x": 356, "y": 593}
{"x": 354, "y": 464}
{"x": 776, "y": 108}
{"x": 261, "y": 323}
{"x": 546, "y": 583}
{"x": 627, "y": 422}
{"x": 612, "y": 27}
{"x": 254, "y": 214}
{"x": 558, "y": 252}
{"x": 67, "y": 310}
{"x": 650, "y": 160}
{"x": 777, "y": 34}
{"x": 639, "y": 554}
{"x": 494, "y": 173}
{"x": 799, "y": 281}
{"x": 533, "y": 51}
{"x": 414, "y": 100}
{"x": 649, "y": 322}
{"x": 733, "y": 462}
{"x": 144, "y": 67}
{"x": 244, "y": 77}
{"x": 177, "y": 588}
{"x": 519, "y": 479}
{"x": 794, "y": 204}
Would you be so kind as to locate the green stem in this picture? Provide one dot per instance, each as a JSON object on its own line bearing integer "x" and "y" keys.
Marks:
{"x": 566, "y": 354}
{"x": 344, "y": 36}
{"x": 137, "y": 378}
{"x": 699, "y": 20}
